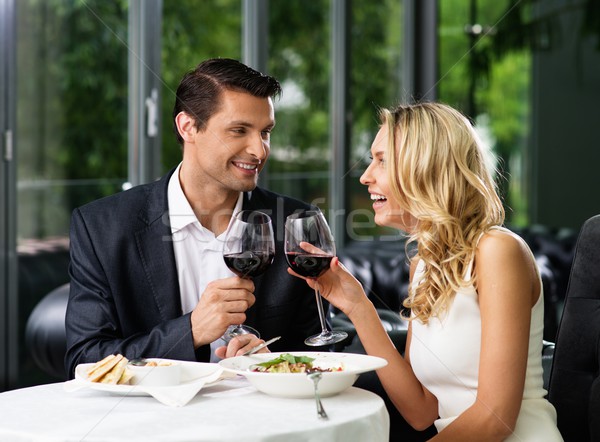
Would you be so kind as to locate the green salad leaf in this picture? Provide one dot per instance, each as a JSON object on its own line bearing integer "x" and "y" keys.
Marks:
{"x": 291, "y": 359}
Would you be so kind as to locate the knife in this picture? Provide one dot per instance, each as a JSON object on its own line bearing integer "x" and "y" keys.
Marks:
{"x": 261, "y": 346}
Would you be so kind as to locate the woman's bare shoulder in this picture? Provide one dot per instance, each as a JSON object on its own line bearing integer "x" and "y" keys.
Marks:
{"x": 503, "y": 255}
{"x": 500, "y": 242}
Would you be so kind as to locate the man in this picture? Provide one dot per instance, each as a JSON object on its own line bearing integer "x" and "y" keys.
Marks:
{"x": 147, "y": 275}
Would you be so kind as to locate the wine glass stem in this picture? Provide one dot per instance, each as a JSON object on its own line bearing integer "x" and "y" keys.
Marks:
{"x": 324, "y": 329}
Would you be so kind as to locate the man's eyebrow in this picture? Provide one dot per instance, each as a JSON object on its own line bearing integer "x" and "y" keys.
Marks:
{"x": 240, "y": 123}
{"x": 248, "y": 124}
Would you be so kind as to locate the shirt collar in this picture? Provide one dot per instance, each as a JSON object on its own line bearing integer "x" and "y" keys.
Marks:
{"x": 180, "y": 211}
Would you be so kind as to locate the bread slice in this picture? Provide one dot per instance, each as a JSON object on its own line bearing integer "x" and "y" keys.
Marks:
{"x": 125, "y": 377}
{"x": 99, "y": 364}
{"x": 101, "y": 368}
{"x": 114, "y": 375}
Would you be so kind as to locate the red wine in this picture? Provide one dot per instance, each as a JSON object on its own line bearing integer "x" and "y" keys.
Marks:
{"x": 248, "y": 263}
{"x": 308, "y": 265}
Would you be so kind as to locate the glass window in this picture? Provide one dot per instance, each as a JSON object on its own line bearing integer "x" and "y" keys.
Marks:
{"x": 193, "y": 31}
{"x": 71, "y": 109}
{"x": 485, "y": 71}
{"x": 375, "y": 82}
{"x": 300, "y": 60}
{"x": 71, "y": 138}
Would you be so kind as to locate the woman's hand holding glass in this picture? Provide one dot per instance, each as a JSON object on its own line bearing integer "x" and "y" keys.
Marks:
{"x": 303, "y": 230}
{"x": 338, "y": 286}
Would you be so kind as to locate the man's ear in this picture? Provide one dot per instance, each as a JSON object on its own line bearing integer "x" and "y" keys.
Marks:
{"x": 186, "y": 126}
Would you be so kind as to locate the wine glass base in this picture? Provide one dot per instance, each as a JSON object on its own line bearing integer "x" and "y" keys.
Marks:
{"x": 327, "y": 338}
{"x": 237, "y": 330}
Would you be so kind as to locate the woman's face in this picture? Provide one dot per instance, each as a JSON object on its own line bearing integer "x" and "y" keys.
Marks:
{"x": 388, "y": 211}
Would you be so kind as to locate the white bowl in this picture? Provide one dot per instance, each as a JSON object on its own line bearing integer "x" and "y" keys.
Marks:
{"x": 166, "y": 373}
{"x": 298, "y": 385}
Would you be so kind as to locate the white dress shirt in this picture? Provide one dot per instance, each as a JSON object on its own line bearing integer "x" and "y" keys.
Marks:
{"x": 198, "y": 253}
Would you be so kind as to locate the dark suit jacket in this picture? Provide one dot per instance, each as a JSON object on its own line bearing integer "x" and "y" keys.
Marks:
{"x": 125, "y": 292}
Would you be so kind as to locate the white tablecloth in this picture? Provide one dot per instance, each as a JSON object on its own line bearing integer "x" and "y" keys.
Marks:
{"x": 229, "y": 410}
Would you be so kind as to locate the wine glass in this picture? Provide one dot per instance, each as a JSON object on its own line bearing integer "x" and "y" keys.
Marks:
{"x": 309, "y": 226}
{"x": 248, "y": 251}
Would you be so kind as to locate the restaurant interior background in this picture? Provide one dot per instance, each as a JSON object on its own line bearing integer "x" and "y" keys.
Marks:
{"x": 86, "y": 92}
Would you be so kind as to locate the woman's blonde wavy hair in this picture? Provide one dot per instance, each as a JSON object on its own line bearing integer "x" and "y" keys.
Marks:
{"x": 437, "y": 171}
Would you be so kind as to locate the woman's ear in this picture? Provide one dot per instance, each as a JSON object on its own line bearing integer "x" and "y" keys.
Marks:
{"x": 186, "y": 126}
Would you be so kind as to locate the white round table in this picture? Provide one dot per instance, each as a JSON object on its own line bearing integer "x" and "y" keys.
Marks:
{"x": 230, "y": 410}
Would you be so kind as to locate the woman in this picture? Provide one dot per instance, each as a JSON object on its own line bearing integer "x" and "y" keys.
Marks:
{"x": 472, "y": 362}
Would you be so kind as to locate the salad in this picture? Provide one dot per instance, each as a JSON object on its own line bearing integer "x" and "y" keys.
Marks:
{"x": 287, "y": 363}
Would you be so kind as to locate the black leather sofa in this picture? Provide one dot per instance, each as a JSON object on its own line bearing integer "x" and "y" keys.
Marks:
{"x": 42, "y": 267}
{"x": 382, "y": 268}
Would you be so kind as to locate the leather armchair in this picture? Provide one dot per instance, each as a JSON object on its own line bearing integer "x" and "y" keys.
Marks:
{"x": 575, "y": 378}
{"x": 45, "y": 334}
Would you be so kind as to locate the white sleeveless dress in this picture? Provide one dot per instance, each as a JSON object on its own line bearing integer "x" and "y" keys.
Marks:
{"x": 444, "y": 355}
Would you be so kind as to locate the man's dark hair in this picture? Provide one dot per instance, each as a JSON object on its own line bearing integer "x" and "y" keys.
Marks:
{"x": 199, "y": 92}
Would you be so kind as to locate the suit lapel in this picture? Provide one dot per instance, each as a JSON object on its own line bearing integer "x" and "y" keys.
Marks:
{"x": 257, "y": 200}
{"x": 154, "y": 242}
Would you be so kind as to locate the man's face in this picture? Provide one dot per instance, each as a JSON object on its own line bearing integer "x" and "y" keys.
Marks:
{"x": 233, "y": 148}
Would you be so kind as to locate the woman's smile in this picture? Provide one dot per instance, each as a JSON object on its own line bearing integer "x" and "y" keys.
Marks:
{"x": 378, "y": 200}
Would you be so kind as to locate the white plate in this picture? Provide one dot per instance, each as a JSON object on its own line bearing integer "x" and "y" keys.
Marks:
{"x": 298, "y": 385}
{"x": 191, "y": 373}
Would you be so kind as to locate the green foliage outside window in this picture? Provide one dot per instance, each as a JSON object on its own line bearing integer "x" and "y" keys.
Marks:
{"x": 80, "y": 116}
{"x": 193, "y": 31}
{"x": 489, "y": 80}
{"x": 71, "y": 141}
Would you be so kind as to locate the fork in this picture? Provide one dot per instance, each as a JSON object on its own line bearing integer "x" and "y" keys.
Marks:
{"x": 261, "y": 346}
{"x": 316, "y": 377}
